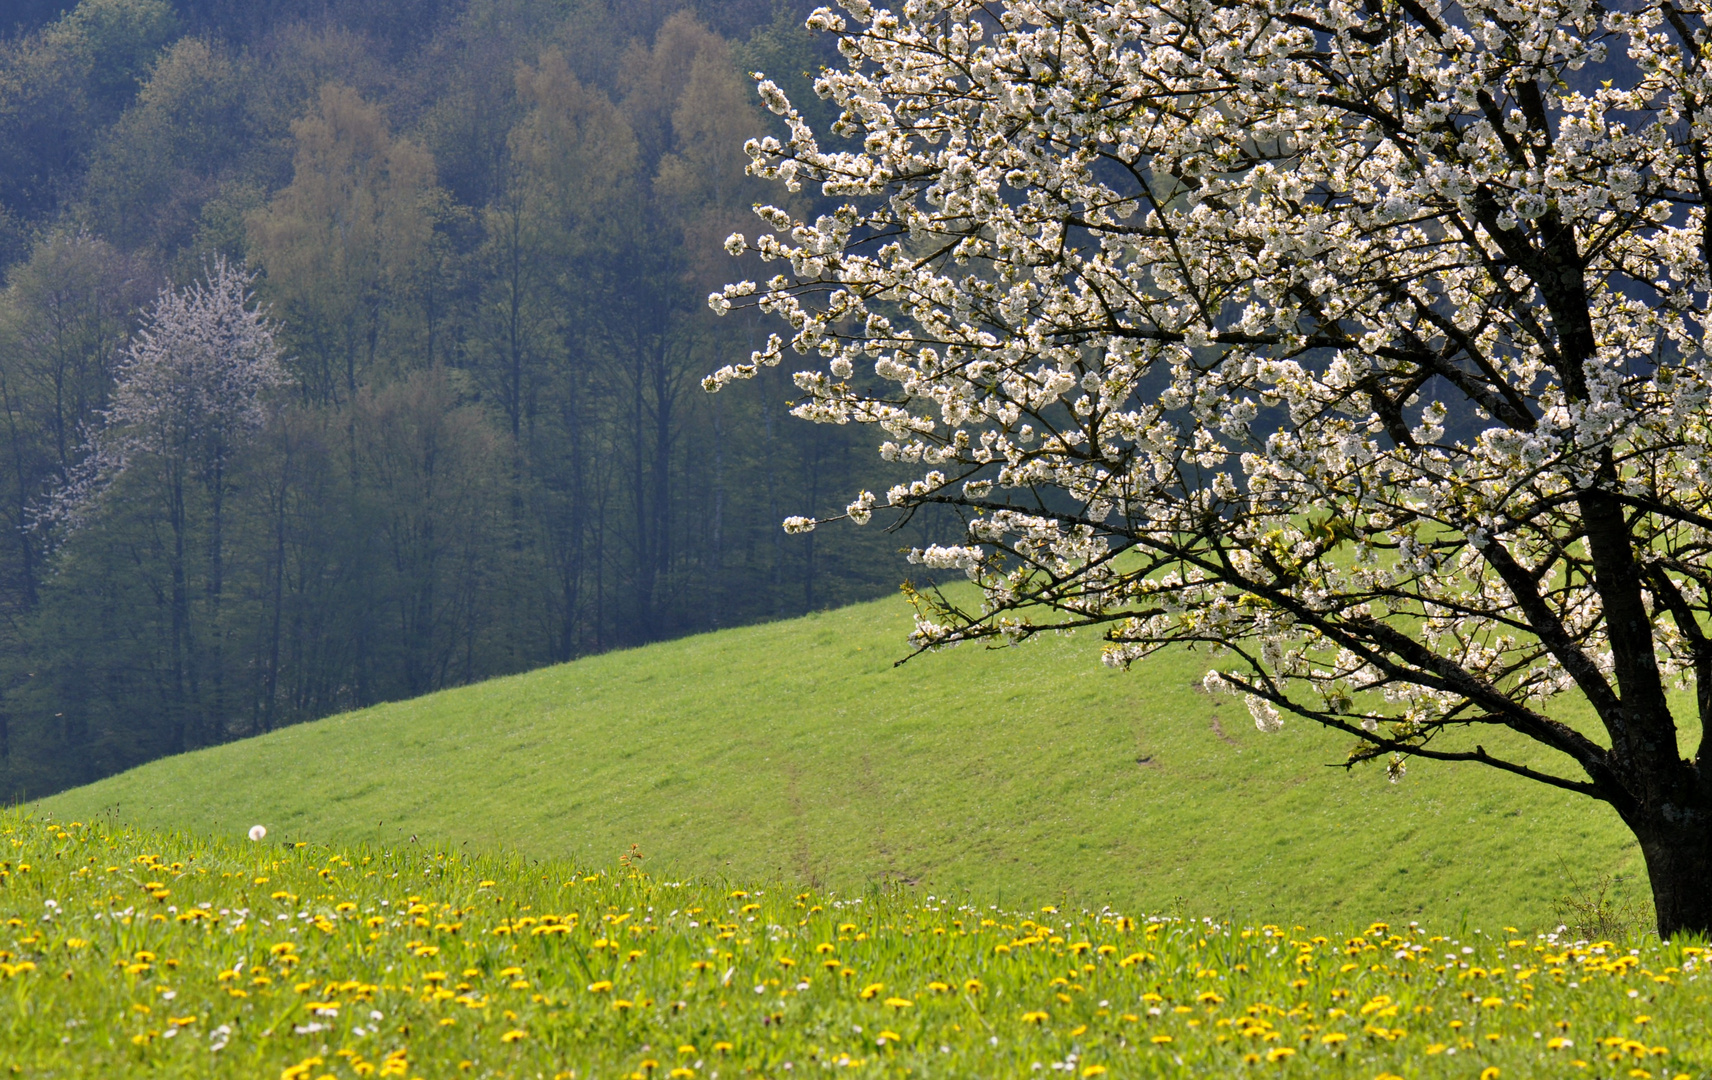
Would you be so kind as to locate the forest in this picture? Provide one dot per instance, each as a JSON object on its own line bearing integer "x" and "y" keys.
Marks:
{"x": 474, "y": 240}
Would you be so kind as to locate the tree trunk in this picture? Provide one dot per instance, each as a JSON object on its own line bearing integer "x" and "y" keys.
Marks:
{"x": 1679, "y": 865}
{"x": 218, "y": 722}
{"x": 179, "y": 615}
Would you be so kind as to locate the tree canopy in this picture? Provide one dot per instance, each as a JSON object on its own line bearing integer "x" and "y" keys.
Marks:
{"x": 1360, "y": 342}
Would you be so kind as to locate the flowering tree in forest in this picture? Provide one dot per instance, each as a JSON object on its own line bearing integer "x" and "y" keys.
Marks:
{"x": 188, "y": 393}
{"x": 1362, "y": 341}
{"x": 189, "y": 390}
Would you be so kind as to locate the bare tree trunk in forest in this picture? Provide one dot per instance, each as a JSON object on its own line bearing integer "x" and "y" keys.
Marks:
{"x": 717, "y": 558}
{"x": 278, "y": 500}
{"x": 21, "y": 505}
{"x": 665, "y": 414}
{"x": 813, "y": 504}
{"x": 770, "y": 451}
{"x": 514, "y": 323}
{"x": 642, "y": 558}
{"x": 217, "y": 719}
{"x": 600, "y": 638}
{"x": 571, "y": 559}
{"x": 179, "y": 613}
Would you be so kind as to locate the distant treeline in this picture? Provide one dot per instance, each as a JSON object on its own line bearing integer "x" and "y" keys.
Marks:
{"x": 485, "y": 231}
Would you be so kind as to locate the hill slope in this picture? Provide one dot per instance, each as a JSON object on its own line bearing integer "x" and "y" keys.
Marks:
{"x": 796, "y": 751}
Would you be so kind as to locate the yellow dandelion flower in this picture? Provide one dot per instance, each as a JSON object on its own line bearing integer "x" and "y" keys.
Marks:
{"x": 1038, "y": 1016}
{"x": 1333, "y": 1038}
{"x": 1160, "y": 1040}
{"x": 899, "y": 1003}
{"x": 1491, "y": 1072}
{"x": 872, "y": 990}
{"x": 972, "y": 986}
{"x": 1279, "y": 1053}
{"x": 722, "y": 1048}
{"x": 1094, "y": 1070}
{"x": 600, "y": 987}
{"x": 514, "y": 1035}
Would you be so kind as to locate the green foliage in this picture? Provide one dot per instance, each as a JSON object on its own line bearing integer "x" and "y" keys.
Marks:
{"x": 118, "y": 40}
{"x": 487, "y": 237}
{"x": 164, "y": 159}
{"x": 796, "y": 751}
{"x": 131, "y": 951}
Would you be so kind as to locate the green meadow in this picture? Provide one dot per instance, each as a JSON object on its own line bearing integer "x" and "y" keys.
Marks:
{"x": 134, "y": 953}
{"x": 800, "y": 753}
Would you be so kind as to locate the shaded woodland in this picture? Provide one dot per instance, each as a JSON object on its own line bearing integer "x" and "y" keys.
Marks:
{"x": 484, "y": 232}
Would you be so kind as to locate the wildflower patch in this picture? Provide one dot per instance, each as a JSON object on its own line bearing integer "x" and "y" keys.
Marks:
{"x": 302, "y": 962}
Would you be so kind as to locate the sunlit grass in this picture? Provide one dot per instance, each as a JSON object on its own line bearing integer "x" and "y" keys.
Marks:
{"x": 126, "y": 952}
{"x": 797, "y": 752}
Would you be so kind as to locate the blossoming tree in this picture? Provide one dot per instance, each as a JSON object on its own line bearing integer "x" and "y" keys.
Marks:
{"x": 1360, "y": 340}
{"x": 189, "y": 392}
{"x": 190, "y": 388}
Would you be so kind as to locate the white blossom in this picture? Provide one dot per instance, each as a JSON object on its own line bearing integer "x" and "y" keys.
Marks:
{"x": 192, "y": 386}
{"x": 1365, "y": 342}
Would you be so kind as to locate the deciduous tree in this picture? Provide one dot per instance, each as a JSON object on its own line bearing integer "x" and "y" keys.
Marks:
{"x": 346, "y": 244}
{"x": 190, "y": 390}
{"x": 1362, "y": 342}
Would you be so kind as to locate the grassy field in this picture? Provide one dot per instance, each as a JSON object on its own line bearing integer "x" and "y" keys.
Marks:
{"x": 796, "y": 752}
{"x": 126, "y": 953}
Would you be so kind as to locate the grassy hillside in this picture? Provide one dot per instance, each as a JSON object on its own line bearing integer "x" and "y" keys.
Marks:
{"x": 796, "y": 751}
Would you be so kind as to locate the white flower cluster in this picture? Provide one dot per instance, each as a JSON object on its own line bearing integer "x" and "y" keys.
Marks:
{"x": 1364, "y": 341}
{"x": 192, "y": 386}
